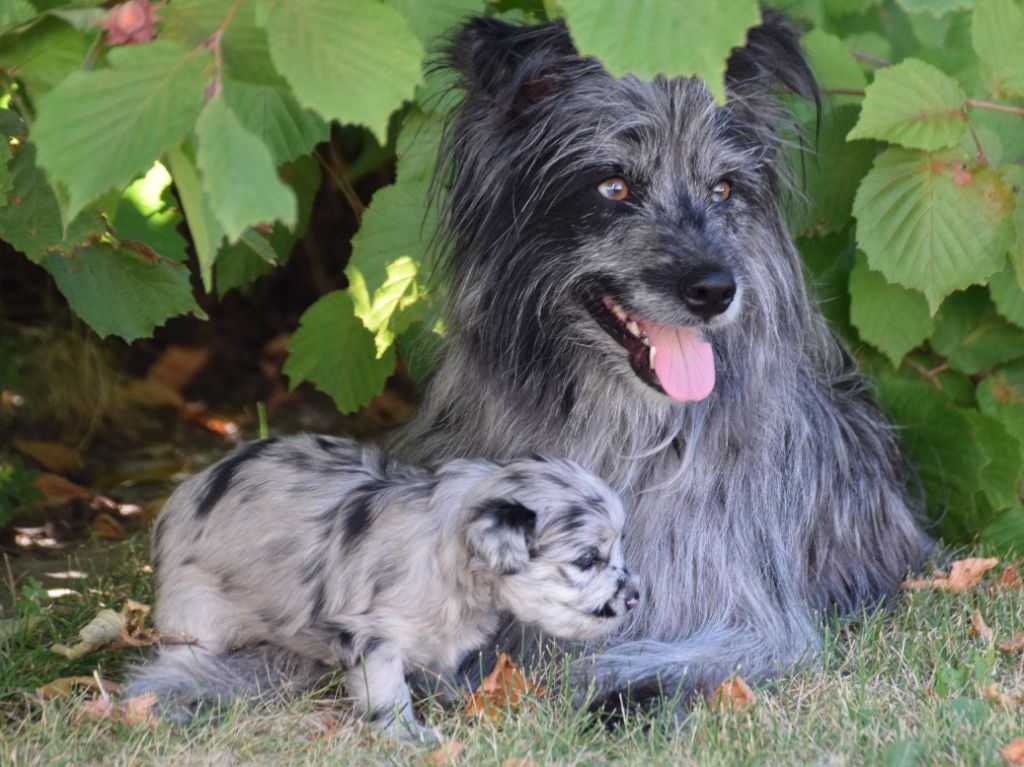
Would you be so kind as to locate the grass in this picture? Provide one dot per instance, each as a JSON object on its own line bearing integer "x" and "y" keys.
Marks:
{"x": 902, "y": 688}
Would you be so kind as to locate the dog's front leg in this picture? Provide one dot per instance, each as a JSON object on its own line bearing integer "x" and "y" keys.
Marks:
{"x": 380, "y": 693}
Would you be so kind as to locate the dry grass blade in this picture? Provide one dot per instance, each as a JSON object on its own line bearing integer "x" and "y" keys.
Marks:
{"x": 447, "y": 753}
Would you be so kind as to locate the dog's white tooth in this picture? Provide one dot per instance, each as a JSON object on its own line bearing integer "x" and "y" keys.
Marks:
{"x": 650, "y": 356}
{"x": 633, "y": 328}
{"x": 619, "y": 312}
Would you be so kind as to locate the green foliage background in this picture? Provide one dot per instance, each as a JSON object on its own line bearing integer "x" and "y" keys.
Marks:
{"x": 912, "y": 226}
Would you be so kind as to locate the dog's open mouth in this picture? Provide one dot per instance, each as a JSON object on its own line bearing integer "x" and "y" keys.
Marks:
{"x": 671, "y": 359}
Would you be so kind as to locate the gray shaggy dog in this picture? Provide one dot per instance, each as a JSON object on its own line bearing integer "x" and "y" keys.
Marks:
{"x": 291, "y": 556}
{"x": 624, "y": 293}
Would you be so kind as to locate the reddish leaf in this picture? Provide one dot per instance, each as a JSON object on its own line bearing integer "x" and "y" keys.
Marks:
{"x": 447, "y": 753}
{"x": 178, "y": 366}
{"x": 1013, "y": 752}
{"x": 505, "y": 687}
{"x": 979, "y": 627}
{"x": 733, "y": 693}
{"x": 1012, "y": 645}
{"x": 963, "y": 576}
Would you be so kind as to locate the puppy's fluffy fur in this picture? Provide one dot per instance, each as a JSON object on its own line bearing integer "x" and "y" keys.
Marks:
{"x": 293, "y": 555}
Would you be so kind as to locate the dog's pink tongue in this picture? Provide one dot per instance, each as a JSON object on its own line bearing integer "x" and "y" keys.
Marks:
{"x": 683, "y": 362}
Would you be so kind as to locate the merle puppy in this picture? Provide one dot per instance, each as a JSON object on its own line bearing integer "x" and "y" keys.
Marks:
{"x": 294, "y": 555}
{"x": 624, "y": 293}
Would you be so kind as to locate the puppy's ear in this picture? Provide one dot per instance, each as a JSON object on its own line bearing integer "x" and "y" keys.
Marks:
{"x": 501, "y": 534}
{"x": 511, "y": 64}
{"x": 770, "y": 61}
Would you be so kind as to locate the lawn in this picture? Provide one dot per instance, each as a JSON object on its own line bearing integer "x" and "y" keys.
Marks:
{"x": 903, "y": 687}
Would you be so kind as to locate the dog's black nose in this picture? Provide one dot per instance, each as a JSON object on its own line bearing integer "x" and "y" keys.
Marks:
{"x": 632, "y": 597}
{"x": 708, "y": 291}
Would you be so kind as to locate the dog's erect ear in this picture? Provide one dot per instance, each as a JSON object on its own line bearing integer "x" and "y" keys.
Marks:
{"x": 514, "y": 64}
{"x": 501, "y": 534}
{"x": 771, "y": 58}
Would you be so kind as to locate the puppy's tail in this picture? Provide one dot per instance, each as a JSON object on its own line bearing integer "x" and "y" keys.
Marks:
{"x": 187, "y": 679}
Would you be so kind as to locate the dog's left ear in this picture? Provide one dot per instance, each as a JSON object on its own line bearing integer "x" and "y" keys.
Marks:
{"x": 501, "y": 534}
{"x": 771, "y": 59}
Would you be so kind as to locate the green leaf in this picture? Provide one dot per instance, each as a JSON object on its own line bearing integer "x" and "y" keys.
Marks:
{"x": 829, "y": 260}
{"x": 11, "y": 124}
{"x": 336, "y": 353}
{"x": 997, "y": 32}
{"x": 14, "y": 12}
{"x": 207, "y": 233}
{"x": 890, "y": 317}
{"x": 949, "y": 465}
{"x": 97, "y": 130}
{"x": 833, "y": 65}
{"x": 275, "y": 117}
{"x": 147, "y": 216}
{"x": 1006, "y": 532}
{"x": 972, "y": 336}
{"x": 1005, "y": 459}
{"x": 393, "y": 241}
{"x": 44, "y": 54}
{"x": 349, "y": 60}
{"x": 905, "y": 753}
{"x": 933, "y": 222}
{"x": 831, "y": 173}
{"x": 31, "y": 221}
{"x": 935, "y": 7}
{"x": 119, "y": 292}
{"x": 1001, "y": 395}
{"x": 669, "y": 37}
{"x": 1008, "y": 295}
{"x": 913, "y": 104}
{"x": 431, "y": 19}
{"x": 238, "y": 174}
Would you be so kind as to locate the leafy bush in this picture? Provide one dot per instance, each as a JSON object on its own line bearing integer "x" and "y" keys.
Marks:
{"x": 913, "y": 229}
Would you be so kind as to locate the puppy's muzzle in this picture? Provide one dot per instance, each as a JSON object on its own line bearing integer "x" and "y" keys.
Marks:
{"x": 626, "y": 597}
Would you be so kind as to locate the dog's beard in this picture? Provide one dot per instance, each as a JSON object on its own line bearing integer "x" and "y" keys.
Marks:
{"x": 674, "y": 360}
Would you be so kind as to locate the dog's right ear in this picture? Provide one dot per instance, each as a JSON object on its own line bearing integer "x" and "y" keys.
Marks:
{"x": 501, "y": 534}
{"x": 511, "y": 63}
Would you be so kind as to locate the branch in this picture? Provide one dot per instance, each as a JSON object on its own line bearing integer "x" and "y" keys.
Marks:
{"x": 995, "y": 107}
{"x": 867, "y": 57}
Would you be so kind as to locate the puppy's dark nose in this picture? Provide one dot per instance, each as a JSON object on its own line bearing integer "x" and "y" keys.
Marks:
{"x": 708, "y": 291}
{"x": 632, "y": 597}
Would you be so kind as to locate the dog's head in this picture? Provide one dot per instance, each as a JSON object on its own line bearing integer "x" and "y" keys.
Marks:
{"x": 551, "y": 533}
{"x": 636, "y": 219}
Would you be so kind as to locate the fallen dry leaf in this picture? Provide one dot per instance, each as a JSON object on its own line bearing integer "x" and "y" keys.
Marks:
{"x": 107, "y": 527}
{"x": 148, "y": 392}
{"x": 178, "y": 366}
{"x": 66, "y": 685}
{"x": 1008, "y": 579}
{"x": 964, "y": 575}
{"x": 1013, "y": 752}
{"x": 980, "y": 628}
{"x": 505, "y": 687}
{"x": 321, "y": 725}
{"x": 52, "y": 456}
{"x": 447, "y": 753}
{"x": 995, "y": 695}
{"x": 56, "y": 488}
{"x": 1013, "y": 644}
{"x": 135, "y": 712}
{"x": 733, "y": 693}
{"x": 113, "y": 629}
{"x": 198, "y": 413}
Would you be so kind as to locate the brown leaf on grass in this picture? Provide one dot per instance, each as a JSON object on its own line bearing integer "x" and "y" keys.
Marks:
{"x": 993, "y": 694}
{"x": 107, "y": 527}
{"x": 964, "y": 575}
{"x": 447, "y": 753}
{"x": 52, "y": 456}
{"x": 980, "y": 628}
{"x": 1013, "y": 752}
{"x": 113, "y": 629}
{"x": 504, "y": 688}
{"x": 734, "y": 693}
{"x": 56, "y": 488}
{"x": 320, "y": 725}
{"x": 135, "y": 712}
{"x": 178, "y": 366}
{"x": 66, "y": 685}
{"x": 1009, "y": 579}
{"x": 1012, "y": 645}
{"x": 198, "y": 413}
{"x": 148, "y": 392}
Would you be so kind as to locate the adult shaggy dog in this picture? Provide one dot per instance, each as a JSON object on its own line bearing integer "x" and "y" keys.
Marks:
{"x": 625, "y": 293}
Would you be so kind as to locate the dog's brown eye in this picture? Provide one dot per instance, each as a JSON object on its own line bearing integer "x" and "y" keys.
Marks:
{"x": 720, "y": 191}
{"x": 614, "y": 188}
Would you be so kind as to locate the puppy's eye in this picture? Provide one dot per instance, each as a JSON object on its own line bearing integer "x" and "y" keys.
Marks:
{"x": 614, "y": 188}
{"x": 720, "y": 191}
{"x": 586, "y": 561}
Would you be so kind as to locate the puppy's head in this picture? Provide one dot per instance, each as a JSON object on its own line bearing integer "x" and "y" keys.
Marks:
{"x": 551, "y": 533}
